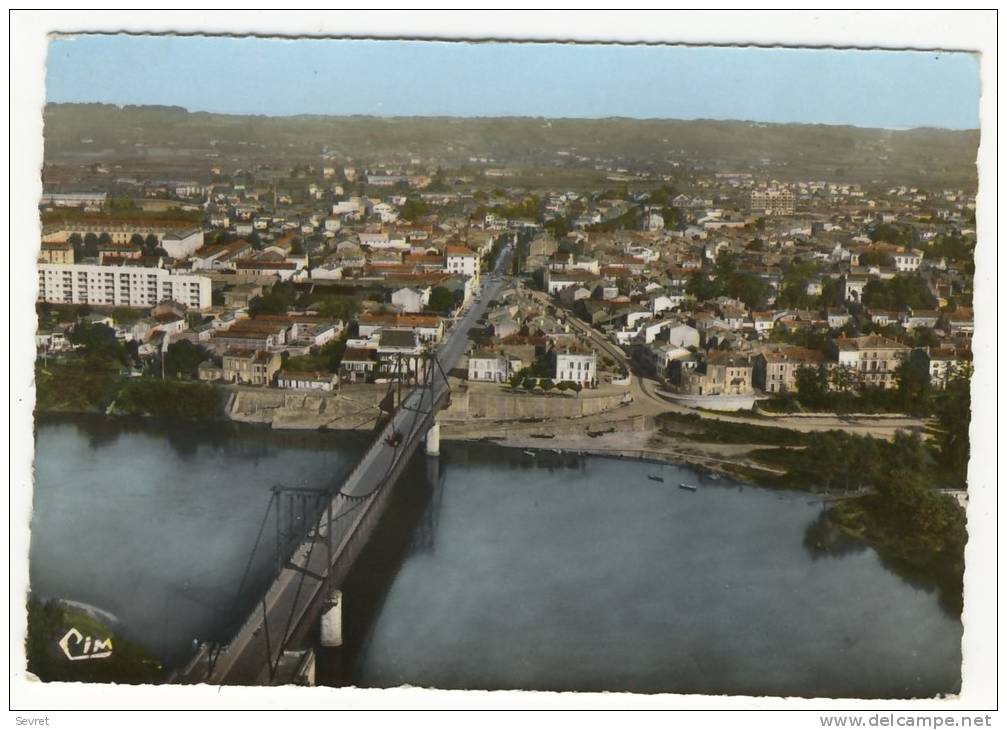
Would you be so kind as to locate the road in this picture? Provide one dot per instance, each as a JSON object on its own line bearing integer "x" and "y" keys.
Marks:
{"x": 292, "y": 595}
{"x": 647, "y": 402}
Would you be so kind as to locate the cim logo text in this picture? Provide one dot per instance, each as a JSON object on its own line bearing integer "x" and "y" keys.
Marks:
{"x": 78, "y": 647}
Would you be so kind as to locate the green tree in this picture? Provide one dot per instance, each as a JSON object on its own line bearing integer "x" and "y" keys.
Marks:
{"x": 182, "y": 359}
{"x": 953, "y": 408}
{"x": 99, "y": 343}
{"x": 442, "y": 299}
{"x": 812, "y": 386}
{"x": 90, "y": 247}
{"x": 277, "y": 301}
{"x": 413, "y": 210}
{"x": 337, "y": 307}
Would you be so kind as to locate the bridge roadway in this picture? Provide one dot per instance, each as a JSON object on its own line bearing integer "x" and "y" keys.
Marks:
{"x": 283, "y": 614}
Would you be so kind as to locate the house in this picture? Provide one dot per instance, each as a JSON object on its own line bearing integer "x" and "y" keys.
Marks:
{"x": 775, "y": 371}
{"x": 557, "y": 282}
{"x": 491, "y": 367}
{"x": 908, "y": 261}
{"x": 461, "y": 260}
{"x": 869, "y": 361}
{"x": 358, "y": 364}
{"x": 293, "y": 380}
{"x": 576, "y": 366}
{"x": 920, "y": 318}
{"x": 941, "y": 364}
{"x": 411, "y": 299}
{"x": 56, "y": 252}
{"x": 249, "y": 367}
{"x": 721, "y": 373}
{"x": 836, "y": 317}
{"x": 399, "y": 350}
{"x": 428, "y": 327}
{"x": 962, "y": 320}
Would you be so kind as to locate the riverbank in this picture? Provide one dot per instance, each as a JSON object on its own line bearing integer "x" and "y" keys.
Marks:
{"x": 59, "y": 630}
{"x": 80, "y": 388}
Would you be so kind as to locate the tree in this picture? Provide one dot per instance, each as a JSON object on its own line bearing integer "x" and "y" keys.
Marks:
{"x": 182, "y": 359}
{"x": 337, "y": 307}
{"x": 90, "y": 248}
{"x": 136, "y": 240}
{"x": 78, "y": 246}
{"x": 442, "y": 299}
{"x": 277, "y": 301}
{"x": 150, "y": 243}
{"x": 913, "y": 389}
{"x": 954, "y": 414}
{"x": 547, "y": 385}
{"x": 98, "y": 342}
{"x": 899, "y": 235}
{"x": 811, "y": 386}
{"x": 413, "y": 210}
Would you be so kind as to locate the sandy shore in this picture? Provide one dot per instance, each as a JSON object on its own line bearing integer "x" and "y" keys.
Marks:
{"x": 648, "y": 445}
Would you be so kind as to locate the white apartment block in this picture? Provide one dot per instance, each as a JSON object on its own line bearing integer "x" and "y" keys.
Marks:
{"x": 120, "y": 286}
{"x": 772, "y": 201}
{"x": 577, "y": 367}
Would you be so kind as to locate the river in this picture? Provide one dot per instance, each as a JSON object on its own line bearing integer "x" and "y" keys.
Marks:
{"x": 509, "y": 571}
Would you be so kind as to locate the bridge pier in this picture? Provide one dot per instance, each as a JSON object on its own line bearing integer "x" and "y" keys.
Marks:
{"x": 433, "y": 440}
{"x": 332, "y": 621}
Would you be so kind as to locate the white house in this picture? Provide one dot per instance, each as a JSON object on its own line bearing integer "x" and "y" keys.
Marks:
{"x": 489, "y": 367}
{"x": 410, "y": 299}
{"x": 577, "y": 367}
{"x": 461, "y": 260}
{"x": 908, "y": 261}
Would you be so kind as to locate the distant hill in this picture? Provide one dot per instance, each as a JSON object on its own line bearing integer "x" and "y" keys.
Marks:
{"x": 919, "y": 156}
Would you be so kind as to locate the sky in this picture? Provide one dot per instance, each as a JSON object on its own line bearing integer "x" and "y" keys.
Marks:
{"x": 276, "y": 77}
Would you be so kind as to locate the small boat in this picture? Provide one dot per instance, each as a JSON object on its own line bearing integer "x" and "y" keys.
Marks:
{"x": 690, "y": 487}
{"x": 557, "y": 451}
{"x": 655, "y": 478}
{"x": 530, "y": 453}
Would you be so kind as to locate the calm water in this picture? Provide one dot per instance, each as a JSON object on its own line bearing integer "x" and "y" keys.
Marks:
{"x": 542, "y": 573}
{"x": 592, "y": 577}
{"x": 157, "y": 526}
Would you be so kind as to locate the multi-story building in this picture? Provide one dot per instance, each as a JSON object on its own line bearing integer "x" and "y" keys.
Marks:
{"x": 941, "y": 364}
{"x": 908, "y": 261}
{"x": 120, "y": 286}
{"x": 490, "y": 367}
{"x": 721, "y": 373}
{"x": 772, "y": 201}
{"x": 869, "y": 361}
{"x": 56, "y": 252}
{"x": 775, "y": 371}
{"x": 461, "y": 260}
{"x": 577, "y": 366}
{"x": 249, "y": 367}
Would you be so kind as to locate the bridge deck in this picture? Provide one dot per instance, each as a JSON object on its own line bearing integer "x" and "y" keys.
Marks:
{"x": 280, "y": 617}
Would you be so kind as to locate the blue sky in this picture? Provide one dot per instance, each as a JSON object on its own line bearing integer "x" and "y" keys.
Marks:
{"x": 892, "y": 89}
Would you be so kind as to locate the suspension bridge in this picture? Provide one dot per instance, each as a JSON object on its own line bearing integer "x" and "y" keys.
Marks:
{"x": 326, "y": 531}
